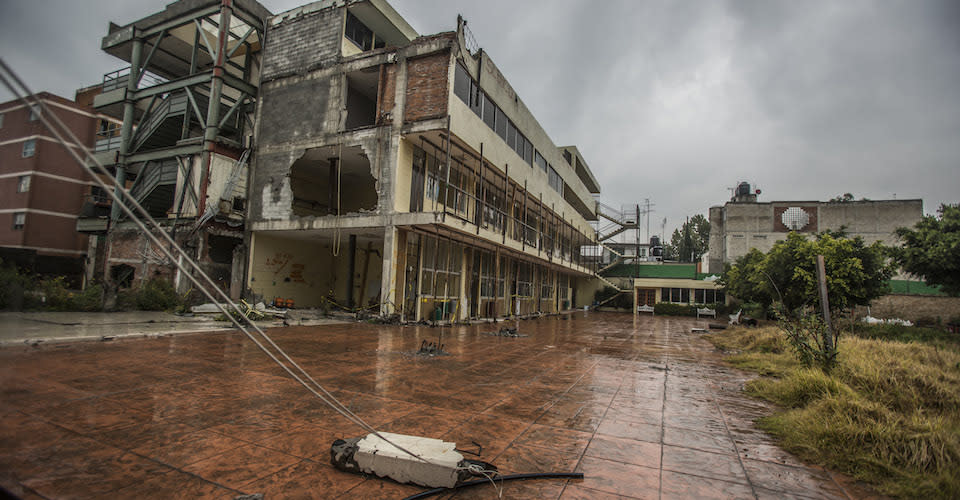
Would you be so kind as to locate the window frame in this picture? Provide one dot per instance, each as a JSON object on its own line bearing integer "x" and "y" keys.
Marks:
{"x": 23, "y": 183}
{"x": 19, "y": 220}
{"x": 30, "y": 144}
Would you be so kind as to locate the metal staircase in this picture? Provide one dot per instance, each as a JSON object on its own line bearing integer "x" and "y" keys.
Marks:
{"x": 155, "y": 186}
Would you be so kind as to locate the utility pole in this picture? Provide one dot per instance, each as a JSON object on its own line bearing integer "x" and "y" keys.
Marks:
{"x": 825, "y": 305}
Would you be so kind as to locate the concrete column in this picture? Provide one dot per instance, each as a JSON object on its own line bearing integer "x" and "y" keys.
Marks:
{"x": 351, "y": 270}
{"x": 389, "y": 274}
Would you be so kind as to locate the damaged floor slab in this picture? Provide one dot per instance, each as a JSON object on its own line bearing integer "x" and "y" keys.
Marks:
{"x": 640, "y": 405}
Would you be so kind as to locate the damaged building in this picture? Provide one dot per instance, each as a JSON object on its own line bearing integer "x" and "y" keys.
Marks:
{"x": 332, "y": 156}
{"x": 402, "y": 173}
{"x": 186, "y": 102}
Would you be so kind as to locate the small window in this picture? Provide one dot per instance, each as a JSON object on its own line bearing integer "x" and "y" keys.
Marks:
{"x": 461, "y": 84}
{"x": 358, "y": 33}
{"x": 540, "y": 161}
{"x": 34, "y": 114}
{"x": 23, "y": 184}
{"x": 489, "y": 111}
{"x": 567, "y": 156}
{"x": 29, "y": 148}
{"x": 501, "y": 128}
{"x": 19, "y": 220}
{"x": 1, "y": 120}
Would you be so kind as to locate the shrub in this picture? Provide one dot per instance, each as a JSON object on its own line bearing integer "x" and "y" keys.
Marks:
{"x": 157, "y": 294}
{"x": 13, "y": 285}
{"x": 668, "y": 309}
{"x": 56, "y": 295}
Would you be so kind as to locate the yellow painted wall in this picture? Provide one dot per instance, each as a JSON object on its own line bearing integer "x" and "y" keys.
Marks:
{"x": 307, "y": 271}
{"x": 404, "y": 176}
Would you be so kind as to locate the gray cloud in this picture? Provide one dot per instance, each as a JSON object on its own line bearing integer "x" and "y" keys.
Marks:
{"x": 672, "y": 101}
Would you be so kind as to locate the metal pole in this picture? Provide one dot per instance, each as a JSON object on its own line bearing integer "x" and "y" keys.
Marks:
{"x": 126, "y": 130}
{"x": 824, "y": 303}
{"x": 212, "y": 129}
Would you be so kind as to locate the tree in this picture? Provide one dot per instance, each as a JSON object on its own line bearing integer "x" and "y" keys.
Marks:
{"x": 689, "y": 242}
{"x": 932, "y": 249}
{"x": 856, "y": 272}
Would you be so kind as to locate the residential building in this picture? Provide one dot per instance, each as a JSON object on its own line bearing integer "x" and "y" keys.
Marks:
{"x": 744, "y": 223}
{"x": 42, "y": 189}
{"x": 403, "y": 173}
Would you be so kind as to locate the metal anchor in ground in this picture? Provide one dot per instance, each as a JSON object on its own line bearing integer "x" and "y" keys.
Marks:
{"x": 431, "y": 348}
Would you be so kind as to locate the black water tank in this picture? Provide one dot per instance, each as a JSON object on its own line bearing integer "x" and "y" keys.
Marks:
{"x": 743, "y": 189}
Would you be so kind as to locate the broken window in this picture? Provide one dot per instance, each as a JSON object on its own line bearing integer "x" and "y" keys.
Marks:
{"x": 122, "y": 275}
{"x": 362, "y": 98}
{"x": 221, "y": 248}
{"x": 358, "y": 33}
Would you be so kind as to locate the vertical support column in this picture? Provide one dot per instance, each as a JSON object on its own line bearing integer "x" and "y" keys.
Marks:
{"x": 212, "y": 130}
{"x": 394, "y": 271}
{"x": 126, "y": 130}
{"x": 333, "y": 207}
{"x": 351, "y": 270}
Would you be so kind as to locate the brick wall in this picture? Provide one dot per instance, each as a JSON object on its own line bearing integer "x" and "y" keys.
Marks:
{"x": 302, "y": 44}
{"x": 914, "y": 307}
{"x": 388, "y": 91}
{"x": 427, "y": 92}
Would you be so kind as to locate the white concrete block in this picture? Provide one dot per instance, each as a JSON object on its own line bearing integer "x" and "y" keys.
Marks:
{"x": 376, "y": 456}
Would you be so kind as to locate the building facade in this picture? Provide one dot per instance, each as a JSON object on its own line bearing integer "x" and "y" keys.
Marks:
{"x": 744, "y": 223}
{"x": 43, "y": 188}
{"x": 403, "y": 173}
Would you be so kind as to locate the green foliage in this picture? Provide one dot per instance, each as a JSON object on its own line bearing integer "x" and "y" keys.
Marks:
{"x": 889, "y": 413}
{"x": 856, "y": 272}
{"x": 908, "y": 334}
{"x": 932, "y": 249}
{"x": 668, "y": 309}
{"x": 810, "y": 340}
{"x": 690, "y": 241}
{"x": 157, "y": 294}
{"x": 13, "y": 285}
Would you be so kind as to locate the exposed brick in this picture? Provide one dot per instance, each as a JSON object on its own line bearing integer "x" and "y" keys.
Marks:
{"x": 427, "y": 84}
{"x": 388, "y": 90}
{"x": 302, "y": 44}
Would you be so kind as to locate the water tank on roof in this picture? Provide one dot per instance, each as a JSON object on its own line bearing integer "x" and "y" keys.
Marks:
{"x": 654, "y": 241}
{"x": 743, "y": 189}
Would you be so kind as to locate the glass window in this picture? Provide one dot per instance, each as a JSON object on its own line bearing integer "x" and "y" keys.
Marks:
{"x": 684, "y": 295}
{"x": 23, "y": 184}
{"x": 461, "y": 84}
{"x": 527, "y": 151}
{"x": 698, "y": 296}
{"x": 34, "y": 114}
{"x": 19, "y": 219}
{"x": 540, "y": 161}
{"x": 29, "y": 148}
{"x": 511, "y": 135}
{"x": 489, "y": 111}
{"x": 501, "y": 124}
{"x": 1, "y": 120}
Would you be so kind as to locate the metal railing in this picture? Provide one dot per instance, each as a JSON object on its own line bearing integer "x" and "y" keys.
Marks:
{"x": 119, "y": 78}
{"x": 108, "y": 139}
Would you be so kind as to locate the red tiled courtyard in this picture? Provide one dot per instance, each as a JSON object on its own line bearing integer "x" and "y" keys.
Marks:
{"x": 642, "y": 406}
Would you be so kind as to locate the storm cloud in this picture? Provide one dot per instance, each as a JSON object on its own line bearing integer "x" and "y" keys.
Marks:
{"x": 671, "y": 101}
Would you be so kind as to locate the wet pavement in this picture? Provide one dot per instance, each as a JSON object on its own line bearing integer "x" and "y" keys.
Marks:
{"x": 642, "y": 406}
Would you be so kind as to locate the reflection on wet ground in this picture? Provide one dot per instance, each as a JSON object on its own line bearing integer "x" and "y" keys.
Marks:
{"x": 641, "y": 405}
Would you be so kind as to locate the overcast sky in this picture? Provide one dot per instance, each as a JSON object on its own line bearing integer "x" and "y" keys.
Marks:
{"x": 674, "y": 101}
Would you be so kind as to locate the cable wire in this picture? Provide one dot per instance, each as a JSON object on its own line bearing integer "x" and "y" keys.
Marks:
{"x": 45, "y": 115}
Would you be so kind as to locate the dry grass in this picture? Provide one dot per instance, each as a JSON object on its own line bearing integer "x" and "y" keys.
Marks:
{"x": 889, "y": 413}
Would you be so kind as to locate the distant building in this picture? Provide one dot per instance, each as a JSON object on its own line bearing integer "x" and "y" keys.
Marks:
{"x": 744, "y": 223}
{"x": 42, "y": 189}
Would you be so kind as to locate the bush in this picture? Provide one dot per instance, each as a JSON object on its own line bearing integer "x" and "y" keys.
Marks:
{"x": 668, "y": 309}
{"x": 13, "y": 285}
{"x": 55, "y": 293}
{"x": 157, "y": 294}
{"x": 88, "y": 300}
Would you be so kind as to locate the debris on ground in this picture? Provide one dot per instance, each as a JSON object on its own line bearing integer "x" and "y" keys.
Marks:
{"x": 431, "y": 349}
{"x": 506, "y": 332}
{"x": 436, "y": 464}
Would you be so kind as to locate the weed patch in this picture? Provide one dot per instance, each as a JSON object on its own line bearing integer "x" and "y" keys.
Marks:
{"x": 888, "y": 413}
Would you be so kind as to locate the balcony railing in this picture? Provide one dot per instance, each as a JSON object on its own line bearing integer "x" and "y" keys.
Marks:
{"x": 119, "y": 78}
